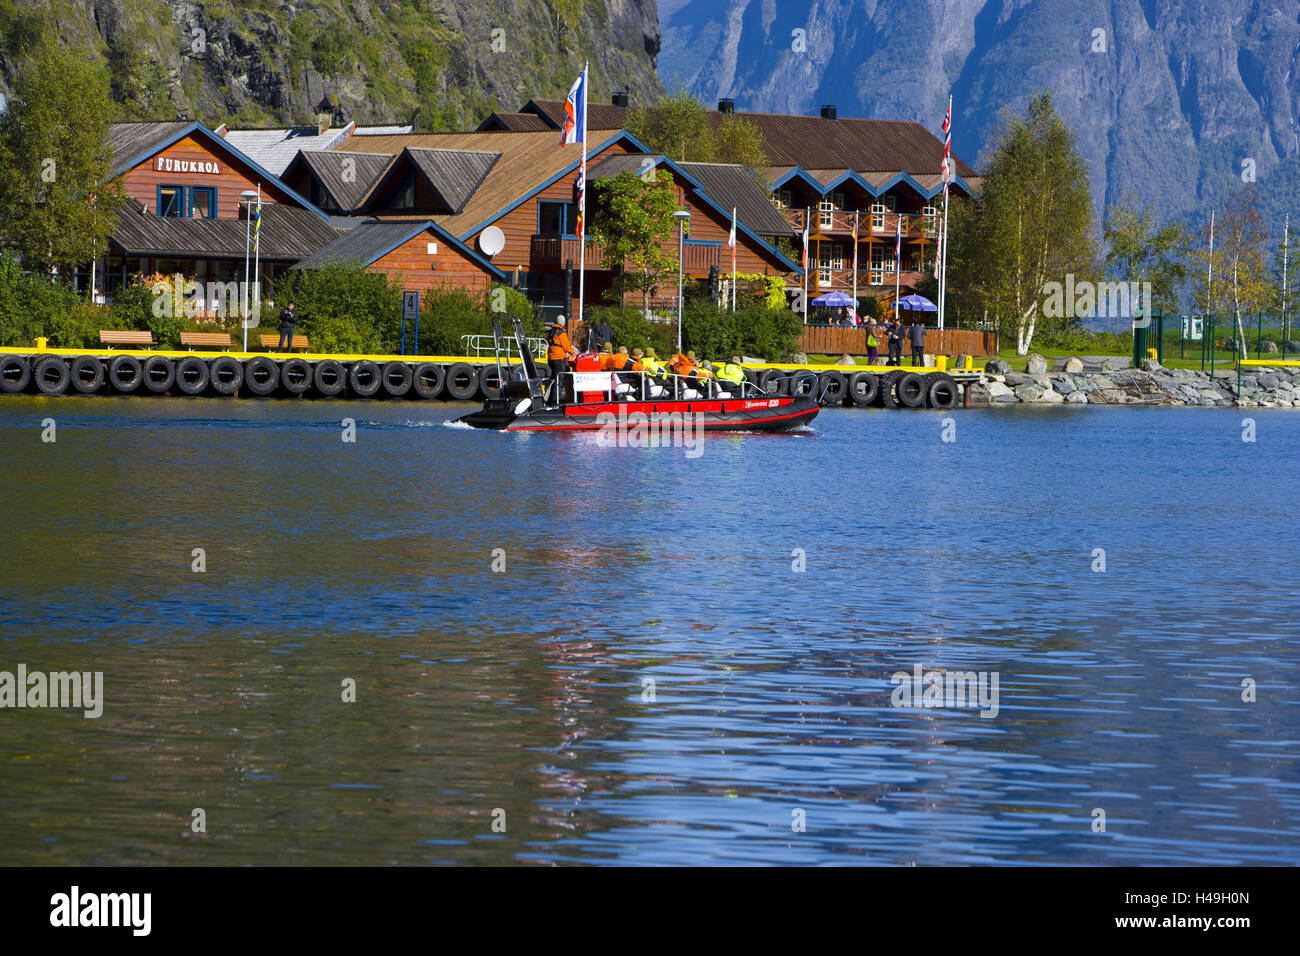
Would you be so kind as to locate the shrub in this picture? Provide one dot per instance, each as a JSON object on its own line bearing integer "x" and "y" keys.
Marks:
{"x": 756, "y": 331}
{"x": 631, "y": 328}
{"x": 342, "y": 308}
{"x": 29, "y": 302}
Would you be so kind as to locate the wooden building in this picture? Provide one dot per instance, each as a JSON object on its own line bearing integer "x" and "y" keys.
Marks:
{"x": 855, "y": 181}
{"x": 521, "y": 188}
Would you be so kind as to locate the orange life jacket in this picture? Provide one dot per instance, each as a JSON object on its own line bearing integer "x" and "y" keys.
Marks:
{"x": 681, "y": 365}
{"x": 560, "y": 346}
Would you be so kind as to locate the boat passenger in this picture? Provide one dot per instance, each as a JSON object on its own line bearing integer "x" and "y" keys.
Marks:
{"x": 654, "y": 370}
{"x": 559, "y": 351}
{"x": 730, "y": 375}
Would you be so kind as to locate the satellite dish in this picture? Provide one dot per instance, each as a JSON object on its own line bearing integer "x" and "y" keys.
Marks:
{"x": 491, "y": 241}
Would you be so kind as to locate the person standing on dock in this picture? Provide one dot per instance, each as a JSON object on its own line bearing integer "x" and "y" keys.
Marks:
{"x": 873, "y": 343}
{"x": 288, "y": 319}
{"x": 894, "y": 334}
{"x": 599, "y": 336}
{"x": 558, "y": 352}
{"x": 917, "y": 333}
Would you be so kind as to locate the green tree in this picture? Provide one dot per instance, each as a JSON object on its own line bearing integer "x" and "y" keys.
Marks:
{"x": 1137, "y": 251}
{"x": 1236, "y": 271}
{"x": 1032, "y": 224}
{"x": 684, "y": 131}
{"x": 633, "y": 221}
{"x": 54, "y": 157}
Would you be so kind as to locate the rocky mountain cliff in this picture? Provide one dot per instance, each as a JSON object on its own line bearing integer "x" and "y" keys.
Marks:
{"x": 272, "y": 61}
{"x": 1176, "y": 100}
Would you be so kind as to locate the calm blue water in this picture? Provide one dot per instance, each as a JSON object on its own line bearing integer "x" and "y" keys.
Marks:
{"x": 523, "y": 695}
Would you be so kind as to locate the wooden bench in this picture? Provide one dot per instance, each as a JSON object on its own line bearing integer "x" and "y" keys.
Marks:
{"x": 299, "y": 342}
{"x": 111, "y": 337}
{"x": 220, "y": 340}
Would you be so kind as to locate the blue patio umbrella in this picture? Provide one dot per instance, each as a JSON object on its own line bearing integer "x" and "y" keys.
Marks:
{"x": 917, "y": 303}
{"x": 835, "y": 299}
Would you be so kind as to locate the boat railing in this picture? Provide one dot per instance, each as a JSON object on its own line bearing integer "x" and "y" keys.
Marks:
{"x": 645, "y": 386}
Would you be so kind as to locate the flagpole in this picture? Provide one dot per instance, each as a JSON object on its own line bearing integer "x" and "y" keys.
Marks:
{"x": 855, "y": 265}
{"x": 733, "y": 258}
{"x": 806, "y": 216}
{"x": 1209, "y": 272}
{"x": 943, "y": 267}
{"x": 582, "y": 200}
{"x": 257, "y": 262}
{"x": 943, "y": 236}
{"x": 898, "y": 262}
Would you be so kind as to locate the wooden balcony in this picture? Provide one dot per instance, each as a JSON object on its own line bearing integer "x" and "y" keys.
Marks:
{"x": 839, "y": 223}
{"x": 551, "y": 252}
{"x": 874, "y": 282}
{"x": 696, "y": 260}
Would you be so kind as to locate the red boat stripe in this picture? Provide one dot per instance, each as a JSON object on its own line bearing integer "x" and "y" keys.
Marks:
{"x": 541, "y": 428}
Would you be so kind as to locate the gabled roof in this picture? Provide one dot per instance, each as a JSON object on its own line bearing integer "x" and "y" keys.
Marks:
{"x": 610, "y": 167}
{"x": 288, "y": 233}
{"x": 133, "y": 143}
{"x": 274, "y": 149}
{"x": 735, "y": 187}
{"x": 866, "y": 145}
{"x": 528, "y": 162}
{"x": 453, "y": 174}
{"x": 329, "y": 168}
{"x": 370, "y": 241}
{"x": 513, "y": 123}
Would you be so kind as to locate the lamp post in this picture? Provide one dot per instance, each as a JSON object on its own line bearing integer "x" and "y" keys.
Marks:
{"x": 683, "y": 216}
{"x": 247, "y": 196}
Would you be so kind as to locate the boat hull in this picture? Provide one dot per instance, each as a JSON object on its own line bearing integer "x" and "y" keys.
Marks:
{"x": 761, "y": 414}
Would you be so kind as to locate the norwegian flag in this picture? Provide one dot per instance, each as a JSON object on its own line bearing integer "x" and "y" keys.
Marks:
{"x": 575, "y": 112}
{"x": 898, "y": 245}
{"x": 947, "y": 148}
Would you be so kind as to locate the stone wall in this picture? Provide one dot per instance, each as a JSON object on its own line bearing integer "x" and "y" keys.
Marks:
{"x": 1112, "y": 384}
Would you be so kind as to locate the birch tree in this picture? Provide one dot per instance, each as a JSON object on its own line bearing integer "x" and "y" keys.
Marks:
{"x": 1032, "y": 223}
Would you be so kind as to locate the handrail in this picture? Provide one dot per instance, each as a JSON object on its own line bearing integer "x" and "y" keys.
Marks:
{"x": 484, "y": 345}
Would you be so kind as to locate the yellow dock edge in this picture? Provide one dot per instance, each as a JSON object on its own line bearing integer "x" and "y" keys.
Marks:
{"x": 439, "y": 359}
{"x": 1270, "y": 363}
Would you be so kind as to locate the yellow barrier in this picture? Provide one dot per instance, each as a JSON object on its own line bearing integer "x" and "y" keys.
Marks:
{"x": 1270, "y": 363}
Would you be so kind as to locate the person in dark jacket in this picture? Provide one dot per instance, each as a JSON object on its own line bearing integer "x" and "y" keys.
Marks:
{"x": 288, "y": 319}
{"x": 917, "y": 334}
{"x": 601, "y": 334}
{"x": 894, "y": 333}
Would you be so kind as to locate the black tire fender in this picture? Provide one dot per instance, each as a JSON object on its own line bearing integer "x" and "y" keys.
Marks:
{"x": 910, "y": 389}
{"x": 863, "y": 387}
{"x": 296, "y": 376}
{"x": 159, "y": 374}
{"x": 397, "y": 378}
{"x": 192, "y": 375}
{"x": 943, "y": 391}
{"x": 330, "y": 378}
{"x": 461, "y": 382}
{"x": 261, "y": 375}
{"x": 87, "y": 374}
{"x": 428, "y": 379}
{"x": 51, "y": 375}
{"x": 490, "y": 382}
{"x": 226, "y": 375}
{"x": 832, "y": 387}
{"x": 125, "y": 373}
{"x": 364, "y": 379}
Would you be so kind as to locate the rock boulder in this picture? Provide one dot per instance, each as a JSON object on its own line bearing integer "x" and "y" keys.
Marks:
{"x": 1036, "y": 364}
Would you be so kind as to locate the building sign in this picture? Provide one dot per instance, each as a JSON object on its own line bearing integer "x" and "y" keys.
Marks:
{"x": 165, "y": 164}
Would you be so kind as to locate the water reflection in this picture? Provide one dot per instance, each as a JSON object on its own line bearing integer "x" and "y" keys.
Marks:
{"x": 525, "y": 690}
